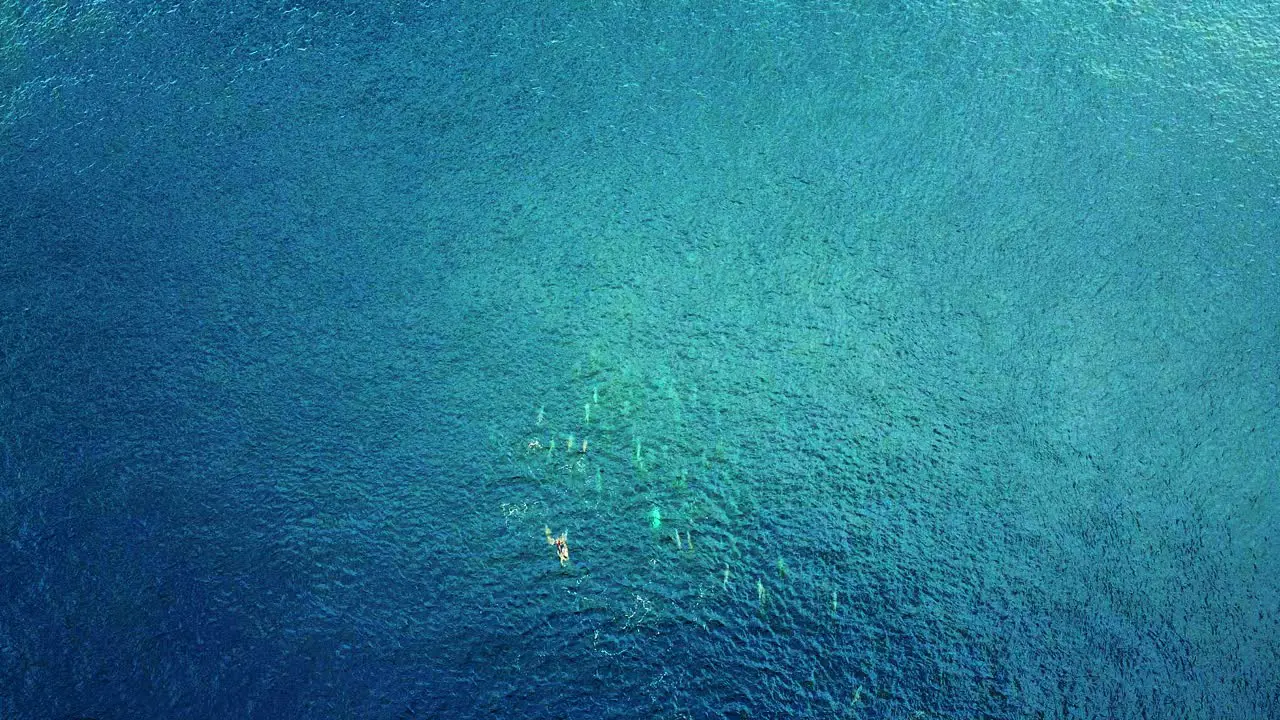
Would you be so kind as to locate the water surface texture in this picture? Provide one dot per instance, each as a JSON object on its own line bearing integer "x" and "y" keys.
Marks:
{"x": 870, "y": 359}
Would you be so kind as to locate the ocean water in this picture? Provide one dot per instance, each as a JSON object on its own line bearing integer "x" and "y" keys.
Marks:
{"x": 905, "y": 360}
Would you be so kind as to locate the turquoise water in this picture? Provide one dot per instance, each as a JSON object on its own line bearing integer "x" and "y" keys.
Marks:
{"x": 876, "y": 359}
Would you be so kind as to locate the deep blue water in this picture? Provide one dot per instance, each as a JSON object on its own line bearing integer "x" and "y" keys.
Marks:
{"x": 879, "y": 359}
